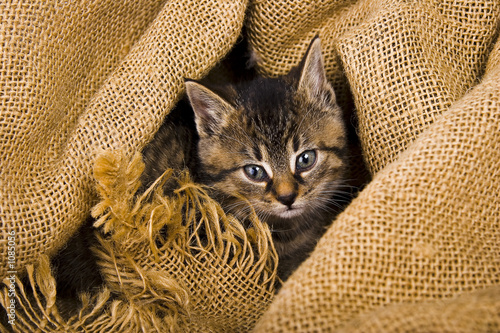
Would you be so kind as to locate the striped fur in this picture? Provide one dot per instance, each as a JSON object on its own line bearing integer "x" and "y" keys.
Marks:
{"x": 269, "y": 123}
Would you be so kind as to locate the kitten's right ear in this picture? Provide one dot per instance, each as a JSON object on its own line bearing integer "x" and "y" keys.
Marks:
{"x": 210, "y": 109}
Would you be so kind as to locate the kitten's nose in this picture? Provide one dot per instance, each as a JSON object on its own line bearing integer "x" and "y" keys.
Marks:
{"x": 287, "y": 199}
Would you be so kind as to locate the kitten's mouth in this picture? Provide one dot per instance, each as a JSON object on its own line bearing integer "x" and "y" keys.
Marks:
{"x": 289, "y": 213}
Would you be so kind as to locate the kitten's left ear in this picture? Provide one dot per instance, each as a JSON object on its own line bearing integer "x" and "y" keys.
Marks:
{"x": 312, "y": 73}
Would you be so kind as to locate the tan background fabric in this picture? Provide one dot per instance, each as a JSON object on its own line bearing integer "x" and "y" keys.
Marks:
{"x": 82, "y": 76}
{"x": 79, "y": 77}
{"x": 469, "y": 312}
{"x": 427, "y": 226}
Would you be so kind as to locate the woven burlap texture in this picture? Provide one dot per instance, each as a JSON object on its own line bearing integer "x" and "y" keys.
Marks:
{"x": 425, "y": 80}
{"x": 83, "y": 76}
{"x": 80, "y": 77}
{"x": 169, "y": 263}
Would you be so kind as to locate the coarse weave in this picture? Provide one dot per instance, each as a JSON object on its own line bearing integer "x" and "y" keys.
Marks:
{"x": 417, "y": 250}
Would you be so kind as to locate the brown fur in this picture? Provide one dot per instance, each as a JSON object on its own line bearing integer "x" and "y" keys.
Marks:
{"x": 269, "y": 123}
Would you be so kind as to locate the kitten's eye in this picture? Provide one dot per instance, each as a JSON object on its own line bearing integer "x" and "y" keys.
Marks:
{"x": 255, "y": 172}
{"x": 305, "y": 161}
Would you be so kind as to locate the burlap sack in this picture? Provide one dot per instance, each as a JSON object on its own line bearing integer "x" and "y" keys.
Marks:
{"x": 80, "y": 77}
{"x": 426, "y": 227}
{"x": 174, "y": 263}
{"x": 83, "y": 76}
{"x": 469, "y": 312}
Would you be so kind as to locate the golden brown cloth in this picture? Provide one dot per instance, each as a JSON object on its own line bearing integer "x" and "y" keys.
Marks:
{"x": 414, "y": 251}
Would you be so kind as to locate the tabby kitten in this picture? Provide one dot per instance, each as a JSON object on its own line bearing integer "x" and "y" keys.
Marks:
{"x": 274, "y": 145}
{"x": 277, "y": 146}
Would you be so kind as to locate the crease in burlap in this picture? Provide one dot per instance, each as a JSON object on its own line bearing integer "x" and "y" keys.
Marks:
{"x": 170, "y": 263}
{"x": 426, "y": 88}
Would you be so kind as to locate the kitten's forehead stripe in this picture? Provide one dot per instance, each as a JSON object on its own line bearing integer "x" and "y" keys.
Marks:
{"x": 296, "y": 143}
{"x": 257, "y": 153}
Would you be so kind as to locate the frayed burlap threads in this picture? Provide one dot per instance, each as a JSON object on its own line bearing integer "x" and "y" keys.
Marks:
{"x": 181, "y": 251}
{"x": 39, "y": 310}
{"x": 173, "y": 263}
{"x": 182, "y": 248}
{"x": 82, "y": 76}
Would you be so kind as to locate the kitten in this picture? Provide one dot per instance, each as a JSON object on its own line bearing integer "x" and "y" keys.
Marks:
{"x": 279, "y": 143}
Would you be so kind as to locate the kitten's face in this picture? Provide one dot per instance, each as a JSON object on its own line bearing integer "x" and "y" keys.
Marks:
{"x": 276, "y": 144}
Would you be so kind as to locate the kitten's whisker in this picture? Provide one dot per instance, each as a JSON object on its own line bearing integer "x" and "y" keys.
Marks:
{"x": 336, "y": 190}
{"x": 337, "y": 197}
{"x": 277, "y": 231}
{"x": 342, "y": 185}
{"x": 234, "y": 209}
{"x": 334, "y": 202}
